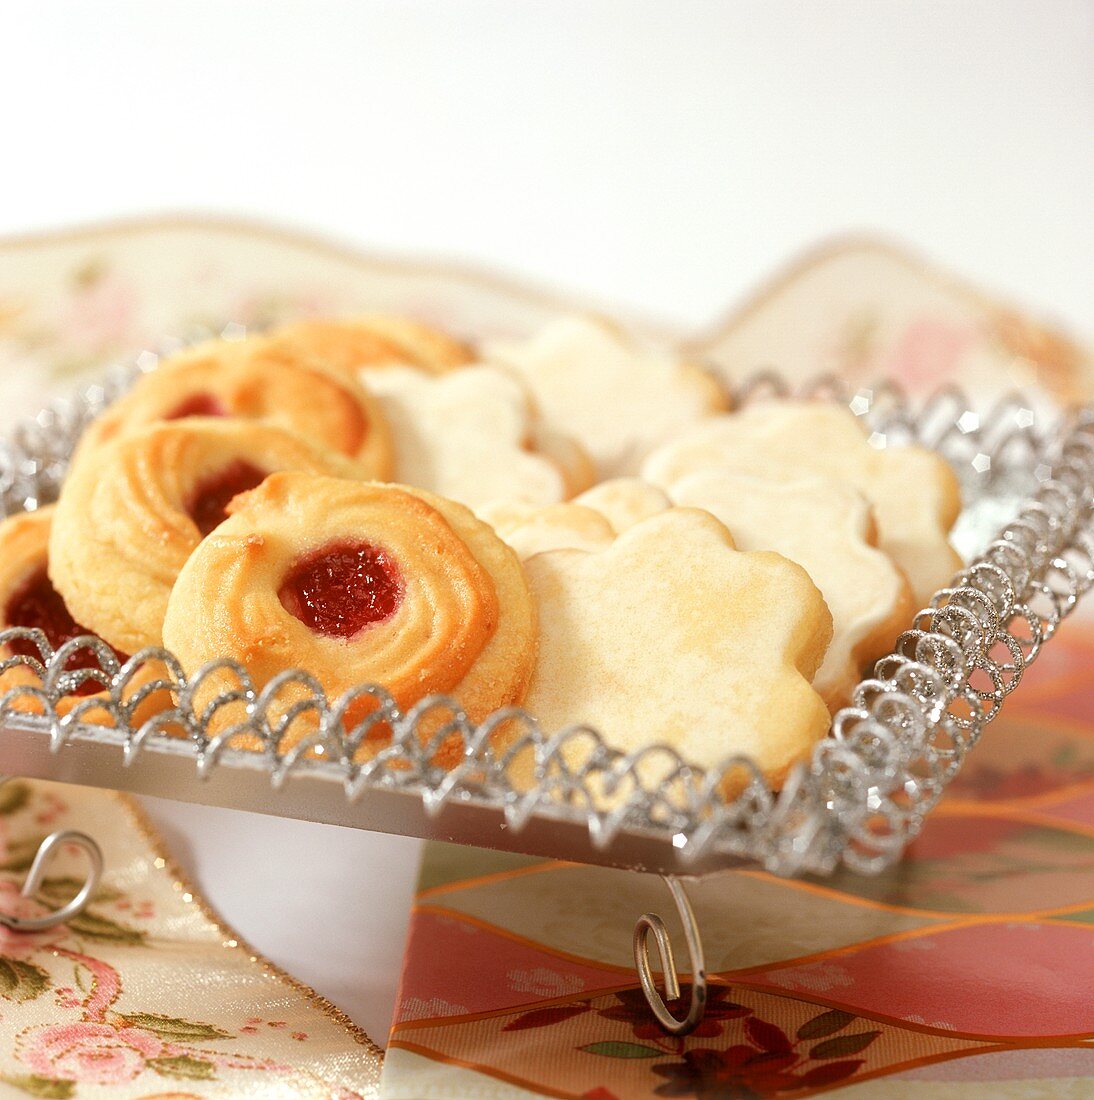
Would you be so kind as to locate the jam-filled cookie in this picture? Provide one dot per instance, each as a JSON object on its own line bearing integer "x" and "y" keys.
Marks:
{"x": 132, "y": 511}
{"x": 28, "y": 599}
{"x": 468, "y": 436}
{"x": 358, "y": 583}
{"x": 914, "y": 493}
{"x": 253, "y": 379}
{"x": 371, "y": 340}
{"x": 670, "y": 634}
{"x": 616, "y": 397}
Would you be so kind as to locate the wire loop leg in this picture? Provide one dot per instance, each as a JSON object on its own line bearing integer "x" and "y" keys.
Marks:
{"x": 651, "y": 924}
{"x": 42, "y": 859}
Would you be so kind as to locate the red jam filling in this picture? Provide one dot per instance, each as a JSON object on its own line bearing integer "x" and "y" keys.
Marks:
{"x": 36, "y": 603}
{"x": 342, "y": 588}
{"x": 197, "y": 404}
{"x": 212, "y": 496}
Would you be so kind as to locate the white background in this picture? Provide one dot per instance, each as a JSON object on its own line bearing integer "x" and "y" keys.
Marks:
{"x": 661, "y": 155}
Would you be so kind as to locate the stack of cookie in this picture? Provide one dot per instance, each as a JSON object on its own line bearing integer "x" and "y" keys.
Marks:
{"x": 574, "y": 523}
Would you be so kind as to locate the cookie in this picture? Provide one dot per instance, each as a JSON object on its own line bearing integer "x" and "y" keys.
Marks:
{"x": 28, "y": 599}
{"x": 828, "y": 529}
{"x": 252, "y": 379}
{"x": 132, "y": 511}
{"x": 672, "y": 635}
{"x": 466, "y": 436}
{"x": 347, "y": 344}
{"x": 567, "y": 454}
{"x": 914, "y": 493}
{"x": 359, "y": 583}
{"x": 625, "y": 501}
{"x": 616, "y": 397}
{"x": 531, "y": 530}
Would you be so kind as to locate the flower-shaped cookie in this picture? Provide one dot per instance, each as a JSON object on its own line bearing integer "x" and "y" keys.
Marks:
{"x": 672, "y": 635}
{"x": 828, "y": 529}
{"x": 618, "y": 398}
{"x": 530, "y": 530}
{"x": 588, "y": 522}
{"x": 625, "y": 501}
{"x": 914, "y": 493}
{"x": 467, "y": 435}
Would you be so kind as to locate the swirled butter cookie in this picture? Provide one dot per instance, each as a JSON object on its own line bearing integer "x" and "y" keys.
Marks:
{"x": 373, "y": 340}
{"x": 358, "y": 583}
{"x": 672, "y": 635}
{"x": 616, "y": 397}
{"x": 132, "y": 511}
{"x": 467, "y": 435}
{"x": 253, "y": 379}
{"x": 914, "y": 493}
{"x": 28, "y": 599}
{"x": 828, "y": 529}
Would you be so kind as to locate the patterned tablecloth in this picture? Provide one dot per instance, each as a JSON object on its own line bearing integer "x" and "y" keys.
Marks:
{"x": 966, "y": 971}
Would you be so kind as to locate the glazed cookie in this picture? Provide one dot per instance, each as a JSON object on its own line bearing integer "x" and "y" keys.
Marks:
{"x": 349, "y": 343}
{"x": 132, "y": 511}
{"x": 616, "y": 397}
{"x": 359, "y": 583}
{"x": 255, "y": 380}
{"x": 530, "y": 530}
{"x": 466, "y": 435}
{"x": 828, "y": 529}
{"x": 914, "y": 493}
{"x": 28, "y": 599}
{"x": 672, "y": 635}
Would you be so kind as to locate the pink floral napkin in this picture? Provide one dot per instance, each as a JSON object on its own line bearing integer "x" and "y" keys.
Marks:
{"x": 146, "y": 992}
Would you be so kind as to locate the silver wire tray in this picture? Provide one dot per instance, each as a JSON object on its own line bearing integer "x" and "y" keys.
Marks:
{"x": 857, "y": 801}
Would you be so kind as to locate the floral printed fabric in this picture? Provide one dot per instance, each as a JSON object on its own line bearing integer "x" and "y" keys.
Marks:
{"x": 144, "y": 993}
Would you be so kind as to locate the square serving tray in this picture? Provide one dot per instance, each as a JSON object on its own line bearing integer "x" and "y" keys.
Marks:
{"x": 1027, "y": 476}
